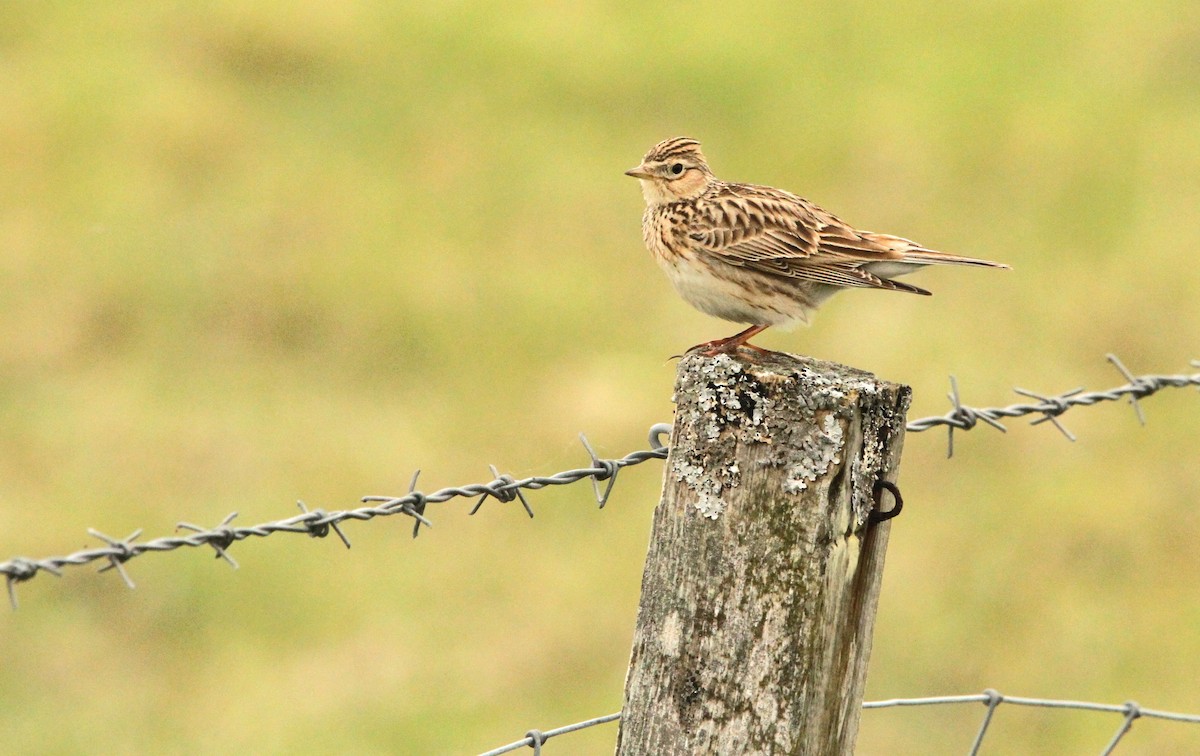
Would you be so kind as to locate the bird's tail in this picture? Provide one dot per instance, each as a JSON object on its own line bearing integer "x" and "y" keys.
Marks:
{"x": 915, "y": 253}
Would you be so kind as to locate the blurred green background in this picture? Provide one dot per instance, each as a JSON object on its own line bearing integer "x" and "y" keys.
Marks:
{"x": 258, "y": 252}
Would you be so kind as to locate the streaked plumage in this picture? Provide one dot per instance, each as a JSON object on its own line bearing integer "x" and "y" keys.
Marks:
{"x": 756, "y": 255}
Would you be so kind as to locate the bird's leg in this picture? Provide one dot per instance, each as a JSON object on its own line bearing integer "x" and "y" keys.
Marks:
{"x": 730, "y": 344}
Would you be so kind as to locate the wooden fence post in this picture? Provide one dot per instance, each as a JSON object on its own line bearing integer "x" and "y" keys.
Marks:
{"x": 761, "y": 584}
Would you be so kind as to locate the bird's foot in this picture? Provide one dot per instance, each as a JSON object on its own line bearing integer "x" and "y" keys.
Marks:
{"x": 730, "y": 344}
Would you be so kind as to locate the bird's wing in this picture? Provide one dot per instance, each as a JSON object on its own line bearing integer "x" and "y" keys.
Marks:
{"x": 784, "y": 235}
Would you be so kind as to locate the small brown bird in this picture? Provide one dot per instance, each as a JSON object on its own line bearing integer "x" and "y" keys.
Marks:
{"x": 757, "y": 255}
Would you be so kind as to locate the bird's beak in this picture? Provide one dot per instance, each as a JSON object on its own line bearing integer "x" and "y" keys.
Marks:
{"x": 638, "y": 172}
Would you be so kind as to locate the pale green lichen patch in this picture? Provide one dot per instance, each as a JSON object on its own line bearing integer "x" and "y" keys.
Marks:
{"x": 728, "y": 408}
{"x": 727, "y": 395}
{"x": 818, "y": 452}
{"x": 733, "y": 414}
{"x": 708, "y": 487}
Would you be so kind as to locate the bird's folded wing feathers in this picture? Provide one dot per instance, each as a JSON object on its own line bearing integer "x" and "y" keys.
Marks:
{"x": 850, "y": 275}
{"x": 790, "y": 237}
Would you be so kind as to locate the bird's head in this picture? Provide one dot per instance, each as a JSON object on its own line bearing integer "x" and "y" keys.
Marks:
{"x": 673, "y": 170}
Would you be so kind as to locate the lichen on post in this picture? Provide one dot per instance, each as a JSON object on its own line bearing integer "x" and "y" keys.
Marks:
{"x": 762, "y": 579}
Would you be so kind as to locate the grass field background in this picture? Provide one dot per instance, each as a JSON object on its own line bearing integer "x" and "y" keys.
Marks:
{"x": 254, "y": 253}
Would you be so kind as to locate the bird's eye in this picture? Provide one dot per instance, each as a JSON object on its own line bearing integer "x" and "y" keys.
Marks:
{"x": 676, "y": 169}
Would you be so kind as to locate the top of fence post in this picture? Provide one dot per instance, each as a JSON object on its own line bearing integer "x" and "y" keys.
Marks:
{"x": 761, "y": 584}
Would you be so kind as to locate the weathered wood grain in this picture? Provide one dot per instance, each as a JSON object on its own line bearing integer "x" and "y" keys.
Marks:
{"x": 762, "y": 579}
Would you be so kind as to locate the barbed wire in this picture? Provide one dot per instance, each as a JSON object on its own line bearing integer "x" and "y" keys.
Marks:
{"x": 318, "y": 523}
{"x": 504, "y": 488}
{"x": 990, "y": 698}
{"x": 1049, "y": 407}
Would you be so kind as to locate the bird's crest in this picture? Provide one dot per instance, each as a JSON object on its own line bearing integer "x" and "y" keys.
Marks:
{"x": 674, "y": 148}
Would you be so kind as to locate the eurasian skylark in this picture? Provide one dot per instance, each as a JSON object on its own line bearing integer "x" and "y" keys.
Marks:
{"x": 756, "y": 255}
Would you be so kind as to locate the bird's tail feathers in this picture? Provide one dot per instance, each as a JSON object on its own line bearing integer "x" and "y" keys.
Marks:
{"x": 915, "y": 253}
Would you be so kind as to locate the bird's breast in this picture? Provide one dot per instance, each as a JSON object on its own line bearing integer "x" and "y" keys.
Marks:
{"x": 664, "y": 232}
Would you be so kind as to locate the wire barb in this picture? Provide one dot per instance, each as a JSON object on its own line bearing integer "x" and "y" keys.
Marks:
{"x": 318, "y": 524}
{"x": 416, "y": 508}
{"x": 1054, "y": 406}
{"x": 120, "y": 551}
{"x": 21, "y": 569}
{"x": 504, "y": 489}
{"x": 963, "y": 417}
{"x": 1137, "y": 386}
{"x": 221, "y": 537}
{"x": 412, "y": 504}
{"x": 606, "y": 469}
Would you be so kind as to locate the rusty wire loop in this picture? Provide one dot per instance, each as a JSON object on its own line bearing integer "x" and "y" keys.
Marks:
{"x": 1048, "y": 408}
{"x": 877, "y": 515}
{"x": 318, "y": 523}
{"x": 990, "y": 698}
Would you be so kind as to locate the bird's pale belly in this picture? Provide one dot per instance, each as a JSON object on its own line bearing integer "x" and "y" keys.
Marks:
{"x": 738, "y": 295}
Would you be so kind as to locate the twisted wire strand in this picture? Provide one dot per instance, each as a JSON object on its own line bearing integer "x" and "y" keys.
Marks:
{"x": 1048, "y": 408}
{"x": 318, "y": 523}
{"x": 1130, "y": 711}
